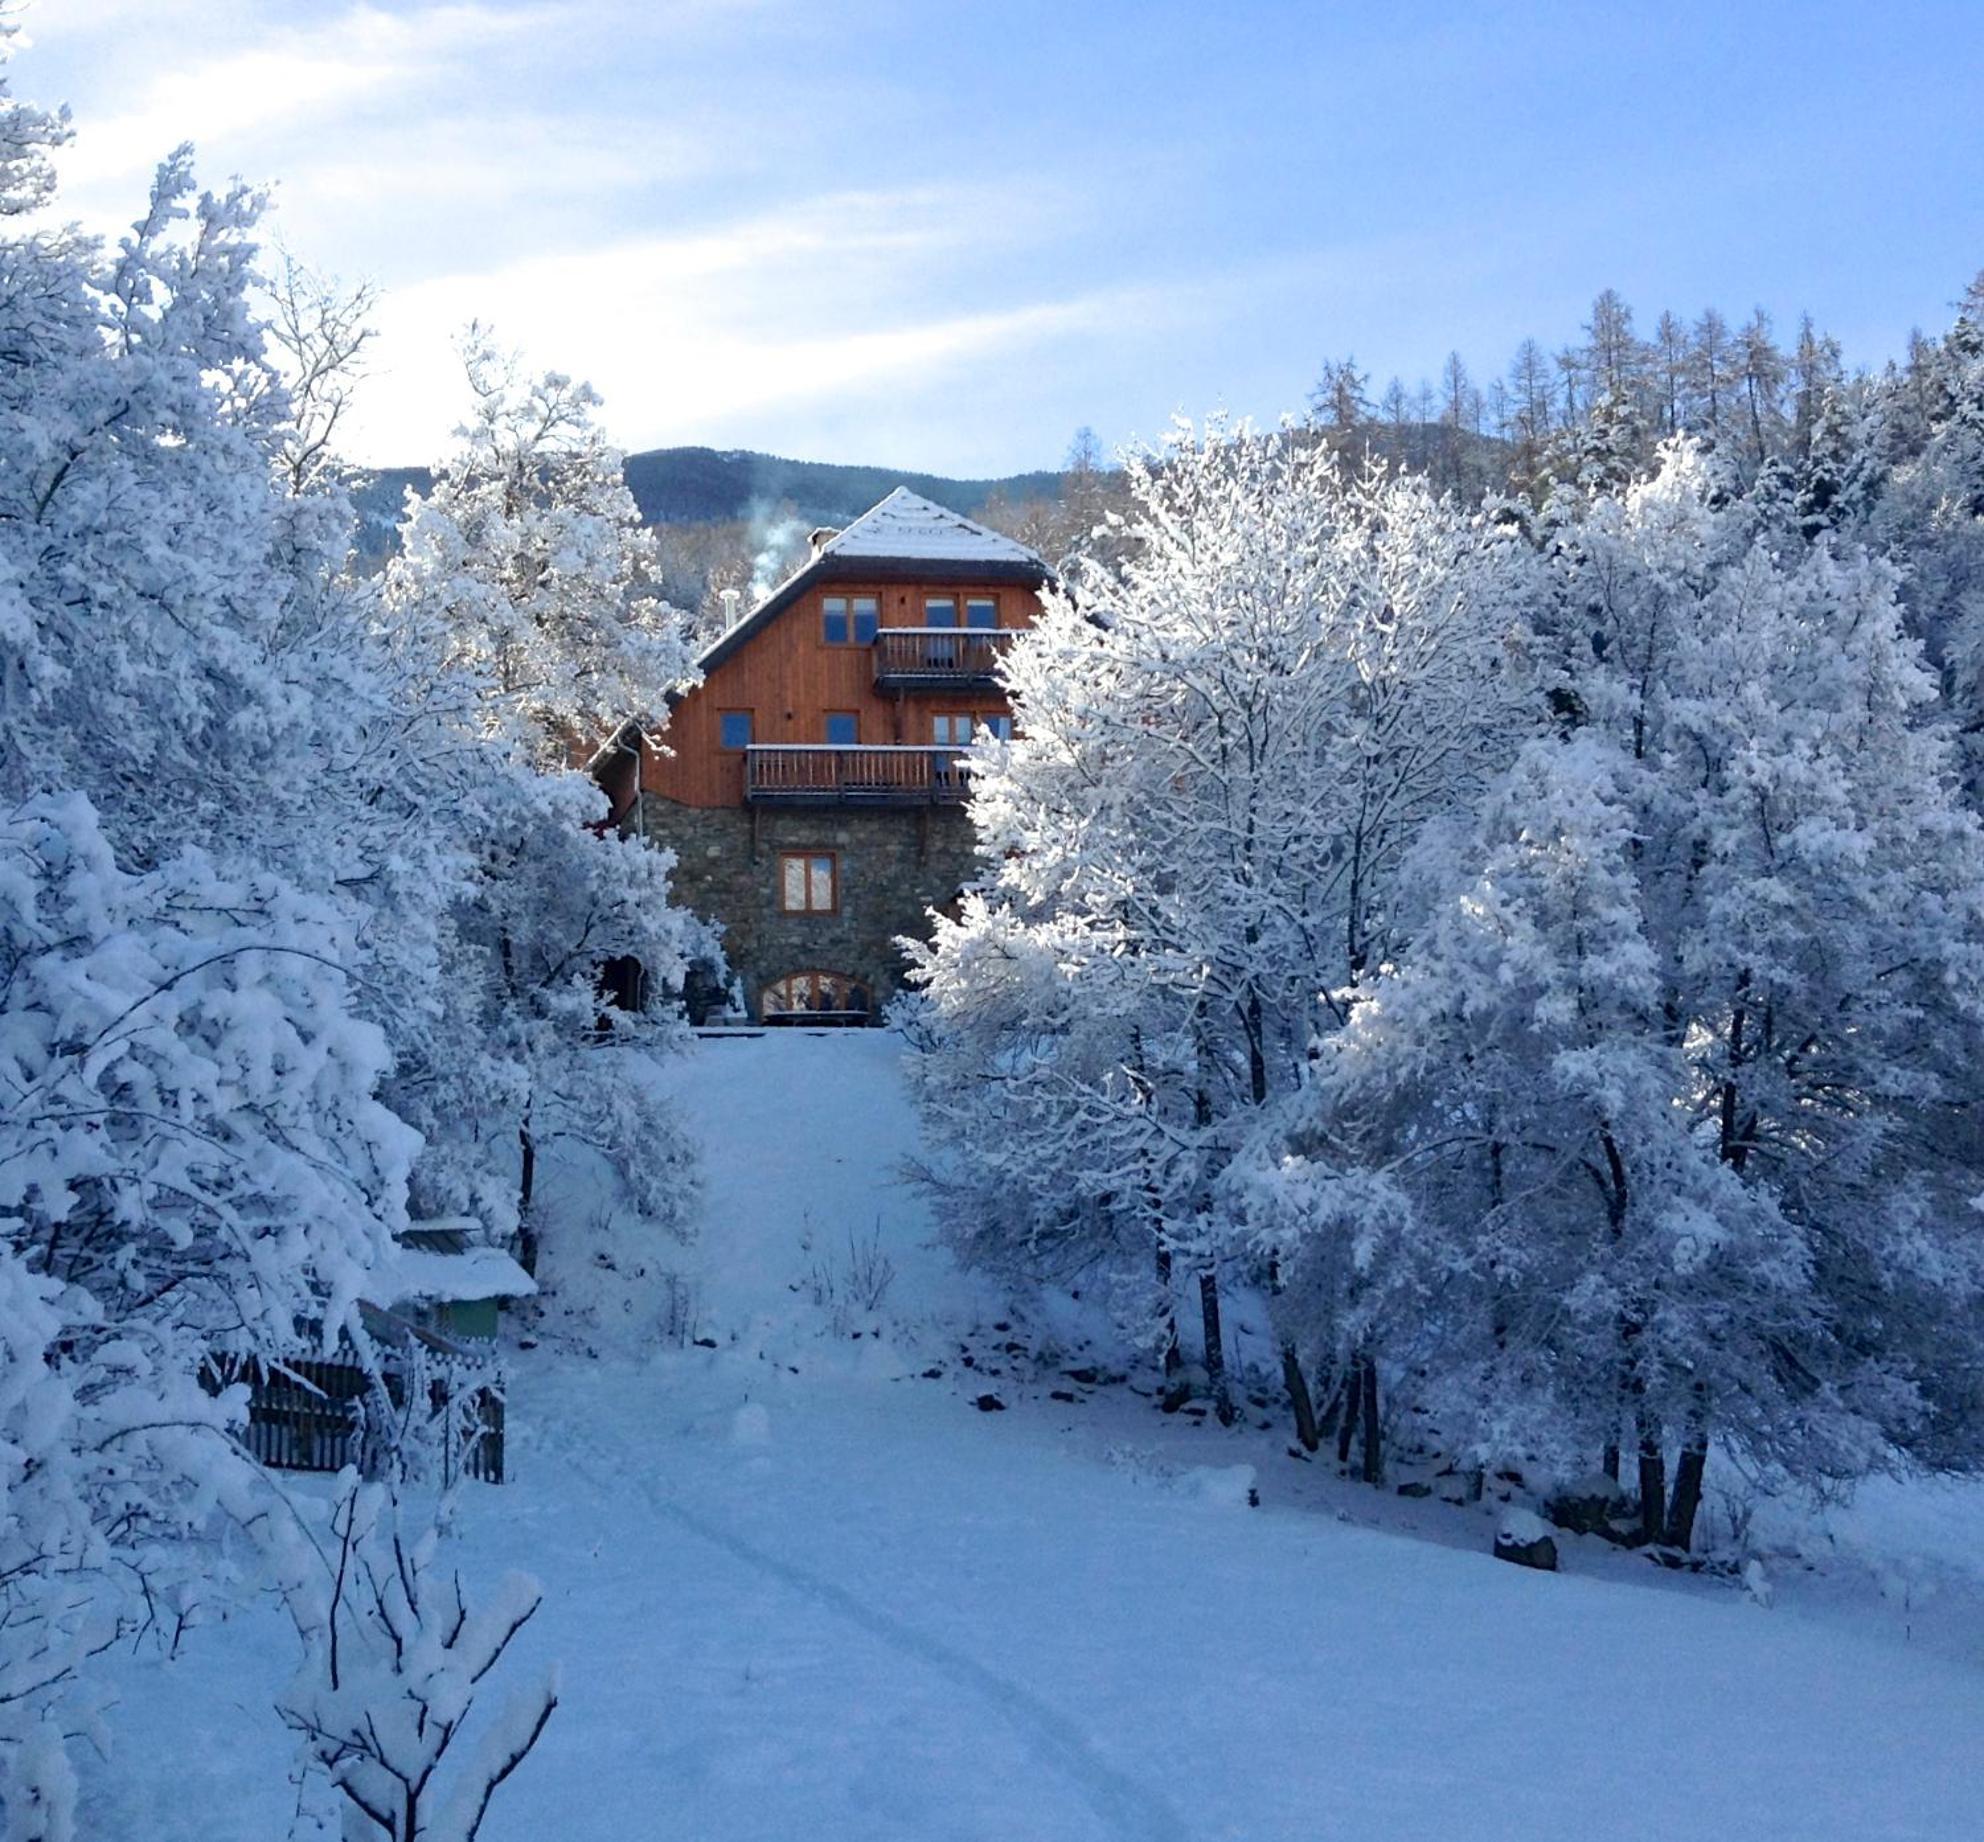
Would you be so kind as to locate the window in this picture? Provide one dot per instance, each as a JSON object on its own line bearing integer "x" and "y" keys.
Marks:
{"x": 843, "y": 728}
{"x": 808, "y": 883}
{"x": 939, "y": 611}
{"x": 846, "y": 619}
{"x": 953, "y": 730}
{"x": 981, "y": 612}
{"x": 957, "y": 730}
{"x": 734, "y": 728}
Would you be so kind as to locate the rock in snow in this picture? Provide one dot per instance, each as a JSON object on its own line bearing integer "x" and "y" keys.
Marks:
{"x": 1587, "y": 1506}
{"x": 1523, "y": 1538}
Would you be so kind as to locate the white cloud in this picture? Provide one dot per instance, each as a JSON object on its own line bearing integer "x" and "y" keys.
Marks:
{"x": 686, "y": 335}
{"x": 611, "y": 184}
{"x": 291, "y": 82}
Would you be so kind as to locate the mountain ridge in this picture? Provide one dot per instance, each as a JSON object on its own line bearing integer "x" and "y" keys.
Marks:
{"x": 701, "y": 485}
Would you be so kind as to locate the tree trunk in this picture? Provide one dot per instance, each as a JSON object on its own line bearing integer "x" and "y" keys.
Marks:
{"x": 1332, "y": 1408}
{"x": 1689, "y": 1469}
{"x": 1653, "y": 1483}
{"x": 526, "y": 1189}
{"x": 1374, "y": 1436}
{"x": 1174, "y": 1359}
{"x": 1299, "y": 1400}
{"x": 1687, "y": 1502}
{"x": 1215, "y": 1342}
{"x": 1301, "y": 1403}
{"x": 1353, "y": 1407}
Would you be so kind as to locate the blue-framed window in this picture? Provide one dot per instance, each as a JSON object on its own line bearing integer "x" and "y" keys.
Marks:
{"x": 734, "y": 729}
{"x": 850, "y": 619}
{"x": 843, "y": 728}
{"x": 981, "y": 612}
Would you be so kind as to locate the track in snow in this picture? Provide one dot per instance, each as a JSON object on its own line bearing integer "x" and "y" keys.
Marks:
{"x": 1131, "y": 1810}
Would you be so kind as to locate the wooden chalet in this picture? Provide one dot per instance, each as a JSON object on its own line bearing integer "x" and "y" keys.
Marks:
{"x": 813, "y": 784}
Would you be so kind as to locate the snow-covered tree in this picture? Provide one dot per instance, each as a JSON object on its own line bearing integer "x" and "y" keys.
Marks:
{"x": 193, "y": 1151}
{"x": 520, "y": 580}
{"x": 529, "y": 563}
{"x": 249, "y": 950}
{"x": 193, "y": 1155}
{"x": 1930, "y": 516}
{"x": 1657, "y": 1106}
{"x": 1227, "y": 741}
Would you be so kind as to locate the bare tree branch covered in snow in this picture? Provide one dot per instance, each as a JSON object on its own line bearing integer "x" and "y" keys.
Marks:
{"x": 394, "y": 1659}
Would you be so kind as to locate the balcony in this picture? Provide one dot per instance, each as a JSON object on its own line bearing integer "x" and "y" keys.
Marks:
{"x": 809, "y": 774}
{"x": 939, "y": 658}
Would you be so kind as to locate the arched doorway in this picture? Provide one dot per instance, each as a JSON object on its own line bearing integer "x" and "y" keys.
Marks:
{"x": 815, "y": 997}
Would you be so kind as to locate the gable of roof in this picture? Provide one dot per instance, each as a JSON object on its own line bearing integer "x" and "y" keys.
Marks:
{"x": 898, "y": 540}
{"x": 906, "y": 526}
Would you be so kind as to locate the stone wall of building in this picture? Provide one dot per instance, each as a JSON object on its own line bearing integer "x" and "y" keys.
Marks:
{"x": 893, "y": 866}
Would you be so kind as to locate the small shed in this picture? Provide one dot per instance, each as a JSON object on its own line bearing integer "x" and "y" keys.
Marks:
{"x": 443, "y": 1277}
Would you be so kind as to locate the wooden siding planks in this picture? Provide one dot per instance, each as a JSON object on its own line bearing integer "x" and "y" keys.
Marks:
{"x": 789, "y": 678}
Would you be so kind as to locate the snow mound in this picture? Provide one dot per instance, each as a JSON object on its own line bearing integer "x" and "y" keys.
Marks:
{"x": 1521, "y": 1527}
{"x": 1231, "y": 1486}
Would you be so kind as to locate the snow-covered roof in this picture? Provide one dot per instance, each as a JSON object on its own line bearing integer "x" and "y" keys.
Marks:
{"x": 905, "y": 538}
{"x": 906, "y": 527}
{"x": 417, "y": 1274}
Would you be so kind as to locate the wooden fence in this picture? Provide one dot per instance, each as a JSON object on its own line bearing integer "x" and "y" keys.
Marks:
{"x": 427, "y": 1398}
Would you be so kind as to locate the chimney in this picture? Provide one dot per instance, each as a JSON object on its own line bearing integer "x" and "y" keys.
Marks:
{"x": 823, "y": 537}
{"x": 730, "y": 597}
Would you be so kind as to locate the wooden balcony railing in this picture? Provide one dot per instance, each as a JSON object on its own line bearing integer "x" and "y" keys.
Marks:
{"x": 939, "y": 658}
{"x": 806, "y": 774}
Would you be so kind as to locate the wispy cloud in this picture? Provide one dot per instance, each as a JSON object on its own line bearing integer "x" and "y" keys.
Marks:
{"x": 363, "y": 61}
{"x": 686, "y": 334}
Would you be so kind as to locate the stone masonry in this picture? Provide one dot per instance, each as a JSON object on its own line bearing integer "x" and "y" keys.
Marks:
{"x": 893, "y": 867}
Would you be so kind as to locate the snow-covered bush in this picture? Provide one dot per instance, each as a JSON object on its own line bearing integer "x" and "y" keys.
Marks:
{"x": 850, "y": 1287}
{"x": 393, "y": 1660}
{"x": 192, "y": 1154}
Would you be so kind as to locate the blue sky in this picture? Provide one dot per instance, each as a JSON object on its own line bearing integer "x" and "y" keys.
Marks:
{"x": 942, "y": 236}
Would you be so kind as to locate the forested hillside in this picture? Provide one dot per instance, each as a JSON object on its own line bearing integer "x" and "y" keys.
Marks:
{"x": 702, "y": 486}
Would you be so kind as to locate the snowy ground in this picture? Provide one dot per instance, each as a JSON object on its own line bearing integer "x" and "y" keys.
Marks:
{"x": 802, "y": 1591}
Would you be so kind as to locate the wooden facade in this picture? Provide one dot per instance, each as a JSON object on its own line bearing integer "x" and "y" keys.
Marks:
{"x": 906, "y": 688}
